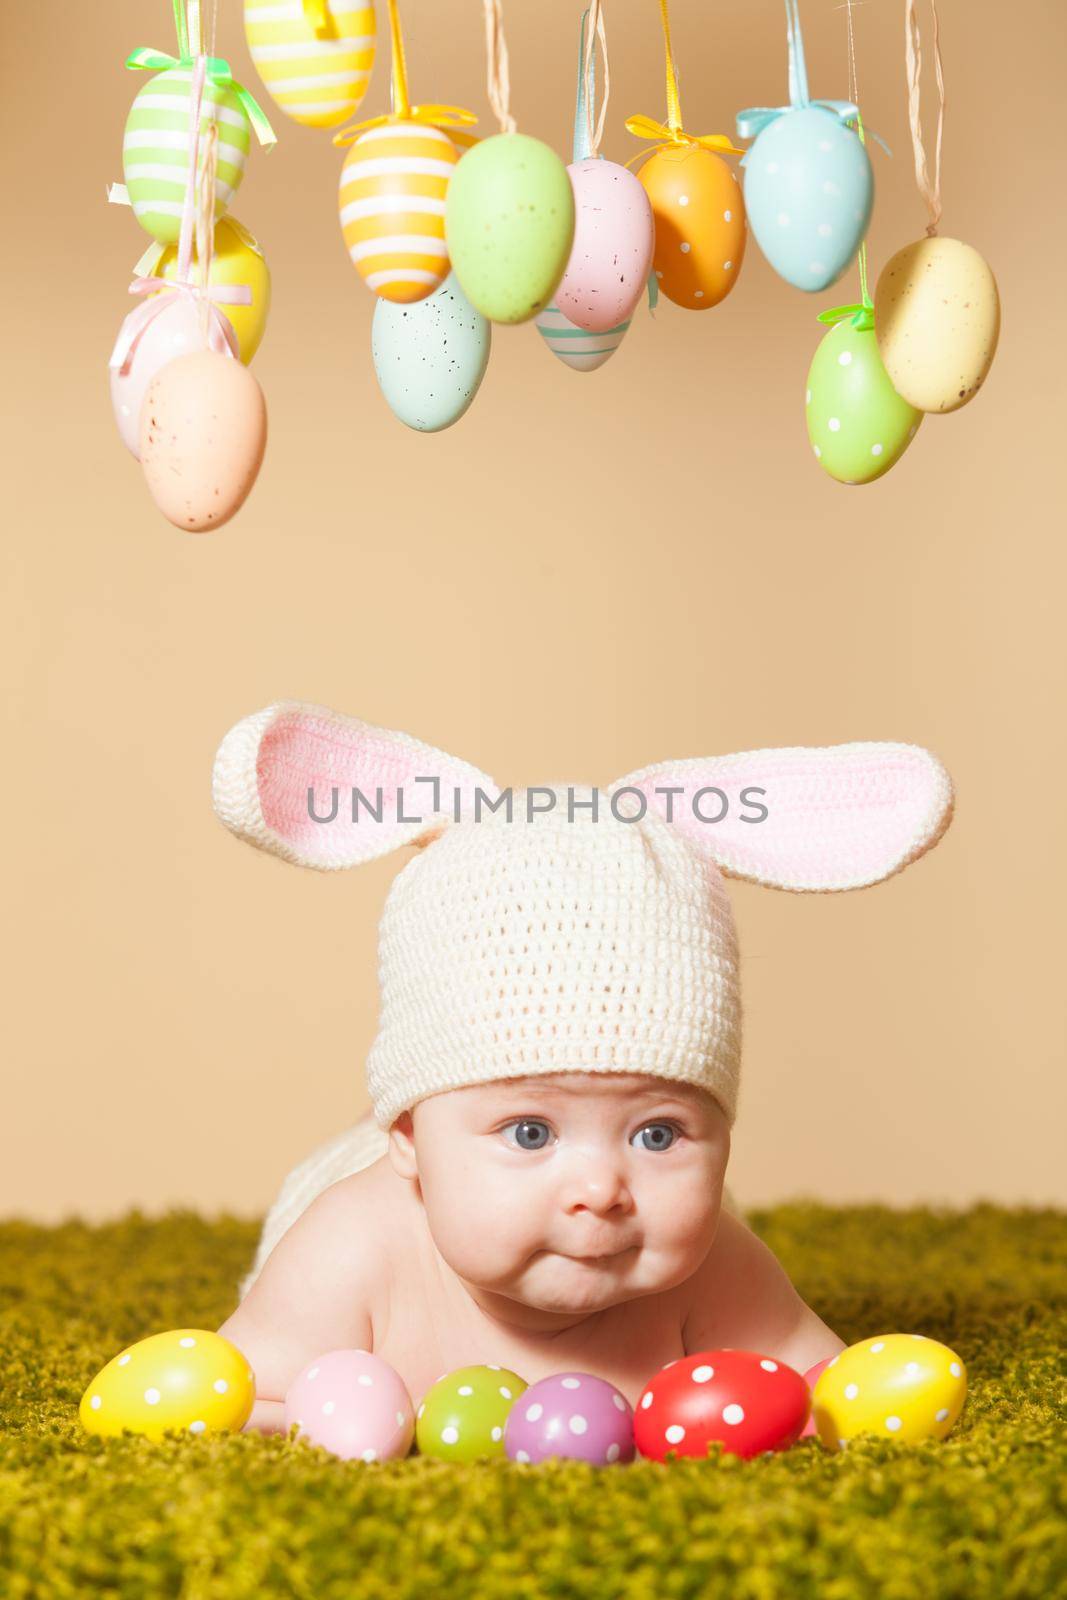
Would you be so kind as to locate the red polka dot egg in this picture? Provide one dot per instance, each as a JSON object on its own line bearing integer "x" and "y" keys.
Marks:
{"x": 747, "y": 1402}
{"x": 700, "y": 224}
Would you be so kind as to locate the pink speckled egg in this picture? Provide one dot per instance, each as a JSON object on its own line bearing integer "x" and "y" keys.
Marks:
{"x": 611, "y": 256}
{"x": 353, "y": 1404}
{"x": 571, "y": 1414}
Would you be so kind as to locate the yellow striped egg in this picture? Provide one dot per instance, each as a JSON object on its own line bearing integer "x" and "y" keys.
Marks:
{"x": 393, "y": 187}
{"x": 314, "y": 56}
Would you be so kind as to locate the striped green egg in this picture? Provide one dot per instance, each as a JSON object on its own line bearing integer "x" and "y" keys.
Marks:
{"x": 577, "y": 347}
{"x": 155, "y": 148}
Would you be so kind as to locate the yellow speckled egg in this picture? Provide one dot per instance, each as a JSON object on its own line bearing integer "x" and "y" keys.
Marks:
{"x": 700, "y": 224}
{"x": 937, "y": 317}
{"x": 189, "y": 1379}
{"x": 898, "y": 1386}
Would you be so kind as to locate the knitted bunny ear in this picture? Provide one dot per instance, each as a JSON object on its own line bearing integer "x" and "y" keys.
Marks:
{"x": 837, "y": 817}
{"x": 281, "y": 769}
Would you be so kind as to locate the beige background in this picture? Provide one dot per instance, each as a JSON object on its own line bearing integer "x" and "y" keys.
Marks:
{"x": 590, "y": 573}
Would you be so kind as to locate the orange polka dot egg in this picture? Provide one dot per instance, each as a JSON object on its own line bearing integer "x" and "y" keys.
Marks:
{"x": 897, "y": 1386}
{"x": 700, "y": 224}
{"x": 189, "y": 1380}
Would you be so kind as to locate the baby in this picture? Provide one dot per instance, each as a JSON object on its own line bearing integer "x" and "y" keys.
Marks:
{"x": 555, "y": 1074}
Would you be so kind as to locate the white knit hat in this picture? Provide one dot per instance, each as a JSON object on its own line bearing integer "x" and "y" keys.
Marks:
{"x": 568, "y": 929}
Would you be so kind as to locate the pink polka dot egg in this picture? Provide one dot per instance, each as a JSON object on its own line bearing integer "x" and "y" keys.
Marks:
{"x": 353, "y": 1404}
{"x": 573, "y": 1415}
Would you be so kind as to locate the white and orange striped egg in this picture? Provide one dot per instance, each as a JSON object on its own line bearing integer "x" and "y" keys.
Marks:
{"x": 314, "y": 60}
{"x": 393, "y": 188}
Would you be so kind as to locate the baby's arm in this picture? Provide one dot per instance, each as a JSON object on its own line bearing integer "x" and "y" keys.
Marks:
{"x": 743, "y": 1299}
{"x": 313, "y": 1295}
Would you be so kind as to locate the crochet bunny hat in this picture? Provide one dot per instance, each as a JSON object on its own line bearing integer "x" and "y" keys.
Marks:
{"x": 565, "y": 928}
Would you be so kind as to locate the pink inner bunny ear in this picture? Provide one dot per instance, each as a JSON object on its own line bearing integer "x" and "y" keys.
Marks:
{"x": 838, "y": 817}
{"x": 285, "y": 779}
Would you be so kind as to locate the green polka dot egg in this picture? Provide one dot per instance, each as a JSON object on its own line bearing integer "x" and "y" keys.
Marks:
{"x": 858, "y": 425}
{"x": 462, "y": 1416}
{"x": 155, "y": 148}
{"x": 189, "y": 1379}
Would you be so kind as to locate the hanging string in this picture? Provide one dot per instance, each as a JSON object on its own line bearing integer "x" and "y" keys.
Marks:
{"x": 672, "y": 132}
{"x": 595, "y": 31}
{"x": 861, "y": 315}
{"x": 454, "y": 120}
{"x": 931, "y": 192}
{"x": 398, "y": 92}
{"x": 496, "y": 50}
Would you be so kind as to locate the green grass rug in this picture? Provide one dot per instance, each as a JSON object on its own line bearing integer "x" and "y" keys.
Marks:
{"x": 243, "y": 1517}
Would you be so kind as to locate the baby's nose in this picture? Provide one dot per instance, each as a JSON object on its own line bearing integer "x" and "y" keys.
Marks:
{"x": 598, "y": 1184}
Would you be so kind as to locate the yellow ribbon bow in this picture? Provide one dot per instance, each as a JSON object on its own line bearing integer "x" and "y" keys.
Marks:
{"x": 451, "y": 118}
{"x": 671, "y": 131}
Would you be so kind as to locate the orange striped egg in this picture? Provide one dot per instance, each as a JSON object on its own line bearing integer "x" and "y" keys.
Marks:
{"x": 393, "y": 187}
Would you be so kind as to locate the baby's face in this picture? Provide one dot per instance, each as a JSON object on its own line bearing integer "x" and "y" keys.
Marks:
{"x": 571, "y": 1192}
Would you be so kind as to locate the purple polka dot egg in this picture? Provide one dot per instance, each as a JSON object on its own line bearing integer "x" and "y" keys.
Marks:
{"x": 353, "y": 1404}
{"x": 573, "y": 1415}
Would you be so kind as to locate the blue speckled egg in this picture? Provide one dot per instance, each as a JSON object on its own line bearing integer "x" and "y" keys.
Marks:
{"x": 809, "y": 190}
{"x": 430, "y": 356}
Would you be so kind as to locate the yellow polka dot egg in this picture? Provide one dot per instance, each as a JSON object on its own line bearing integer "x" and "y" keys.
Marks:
{"x": 189, "y": 1379}
{"x": 897, "y": 1386}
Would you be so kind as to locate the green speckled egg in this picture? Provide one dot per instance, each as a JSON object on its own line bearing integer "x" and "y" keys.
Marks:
{"x": 430, "y": 356}
{"x": 462, "y": 1417}
{"x": 510, "y": 225}
{"x": 857, "y": 423}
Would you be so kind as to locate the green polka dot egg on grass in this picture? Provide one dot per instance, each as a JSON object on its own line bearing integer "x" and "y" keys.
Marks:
{"x": 858, "y": 425}
{"x": 462, "y": 1416}
{"x": 155, "y": 148}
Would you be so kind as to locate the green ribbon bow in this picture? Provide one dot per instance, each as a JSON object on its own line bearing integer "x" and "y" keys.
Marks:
{"x": 219, "y": 72}
{"x": 861, "y": 316}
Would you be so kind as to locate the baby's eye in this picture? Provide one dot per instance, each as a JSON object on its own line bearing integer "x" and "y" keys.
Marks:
{"x": 529, "y": 1129}
{"x": 661, "y": 1135}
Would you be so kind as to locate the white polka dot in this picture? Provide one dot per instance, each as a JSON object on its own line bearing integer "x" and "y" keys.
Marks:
{"x": 818, "y": 457}
{"x": 328, "y": 1408}
{"x": 577, "y": 1423}
{"x": 449, "y": 1435}
{"x": 96, "y": 1402}
{"x": 619, "y": 1402}
{"x": 727, "y": 265}
{"x": 807, "y": 398}
{"x": 465, "y": 1388}
{"x": 494, "y": 1368}
{"x": 876, "y": 450}
{"x": 816, "y": 267}
{"x": 834, "y": 424}
{"x": 772, "y": 166}
{"x": 534, "y": 1413}
{"x": 892, "y": 1423}
{"x": 954, "y": 1368}
{"x": 825, "y": 230}
{"x": 824, "y": 145}
{"x": 250, "y": 1375}
{"x": 842, "y": 1444}
{"x": 783, "y": 219}
{"x": 727, "y": 216}
{"x": 698, "y": 294}
{"x": 313, "y": 1373}
{"x": 197, "y": 1427}
{"x": 877, "y": 1346}
{"x": 659, "y": 274}
{"x": 836, "y": 1359}
{"x": 769, "y": 1366}
{"x": 702, "y": 1374}
{"x": 571, "y": 1383}
{"x": 187, "y": 1344}
{"x": 830, "y": 187}
{"x": 123, "y": 1360}
{"x": 496, "y": 1435}
{"x": 220, "y": 1386}
{"x": 845, "y": 358}
{"x": 151, "y": 1397}
{"x": 675, "y": 1434}
{"x": 733, "y": 1414}
{"x": 505, "y": 1391}
{"x": 917, "y": 1336}
{"x": 942, "y": 1415}
{"x": 520, "y": 1455}
{"x": 365, "y": 1379}
{"x": 683, "y": 199}
{"x": 685, "y": 247}
{"x": 370, "y": 1455}
{"x": 400, "y": 1419}
{"x": 611, "y": 1453}
{"x": 851, "y": 1391}
{"x": 419, "y": 1412}
{"x": 646, "y": 1400}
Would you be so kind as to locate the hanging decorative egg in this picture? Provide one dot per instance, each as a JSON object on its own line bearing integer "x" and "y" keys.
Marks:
{"x": 394, "y": 185}
{"x": 937, "y": 316}
{"x": 236, "y": 260}
{"x": 177, "y": 329}
{"x": 614, "y": 236}
{"x": 430, "y": 357}
{"x": 858, "y": 424}
{"x": 155, "y": 148}
{"x": 577, "y": 347}
{"x": 315, "y": 57}
{"x": 809, "y": 190}
{"x": 203, "y": 434}
{"x": 700, "y": 224}
{"x": 510, "y": 225}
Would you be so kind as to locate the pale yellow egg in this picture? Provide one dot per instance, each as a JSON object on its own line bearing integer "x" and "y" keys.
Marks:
{"x": 188, "y": 1379}
{"x": 937, "y": 317}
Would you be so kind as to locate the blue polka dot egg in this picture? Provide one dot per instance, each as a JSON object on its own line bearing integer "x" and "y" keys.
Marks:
{"x": 809, "y": 191}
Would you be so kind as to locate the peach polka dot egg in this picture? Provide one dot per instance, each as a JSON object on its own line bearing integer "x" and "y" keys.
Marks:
{"x": 897, "y": 1386}
{"x": 189, "y": 1380}
{"x": 700, "y": 224}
